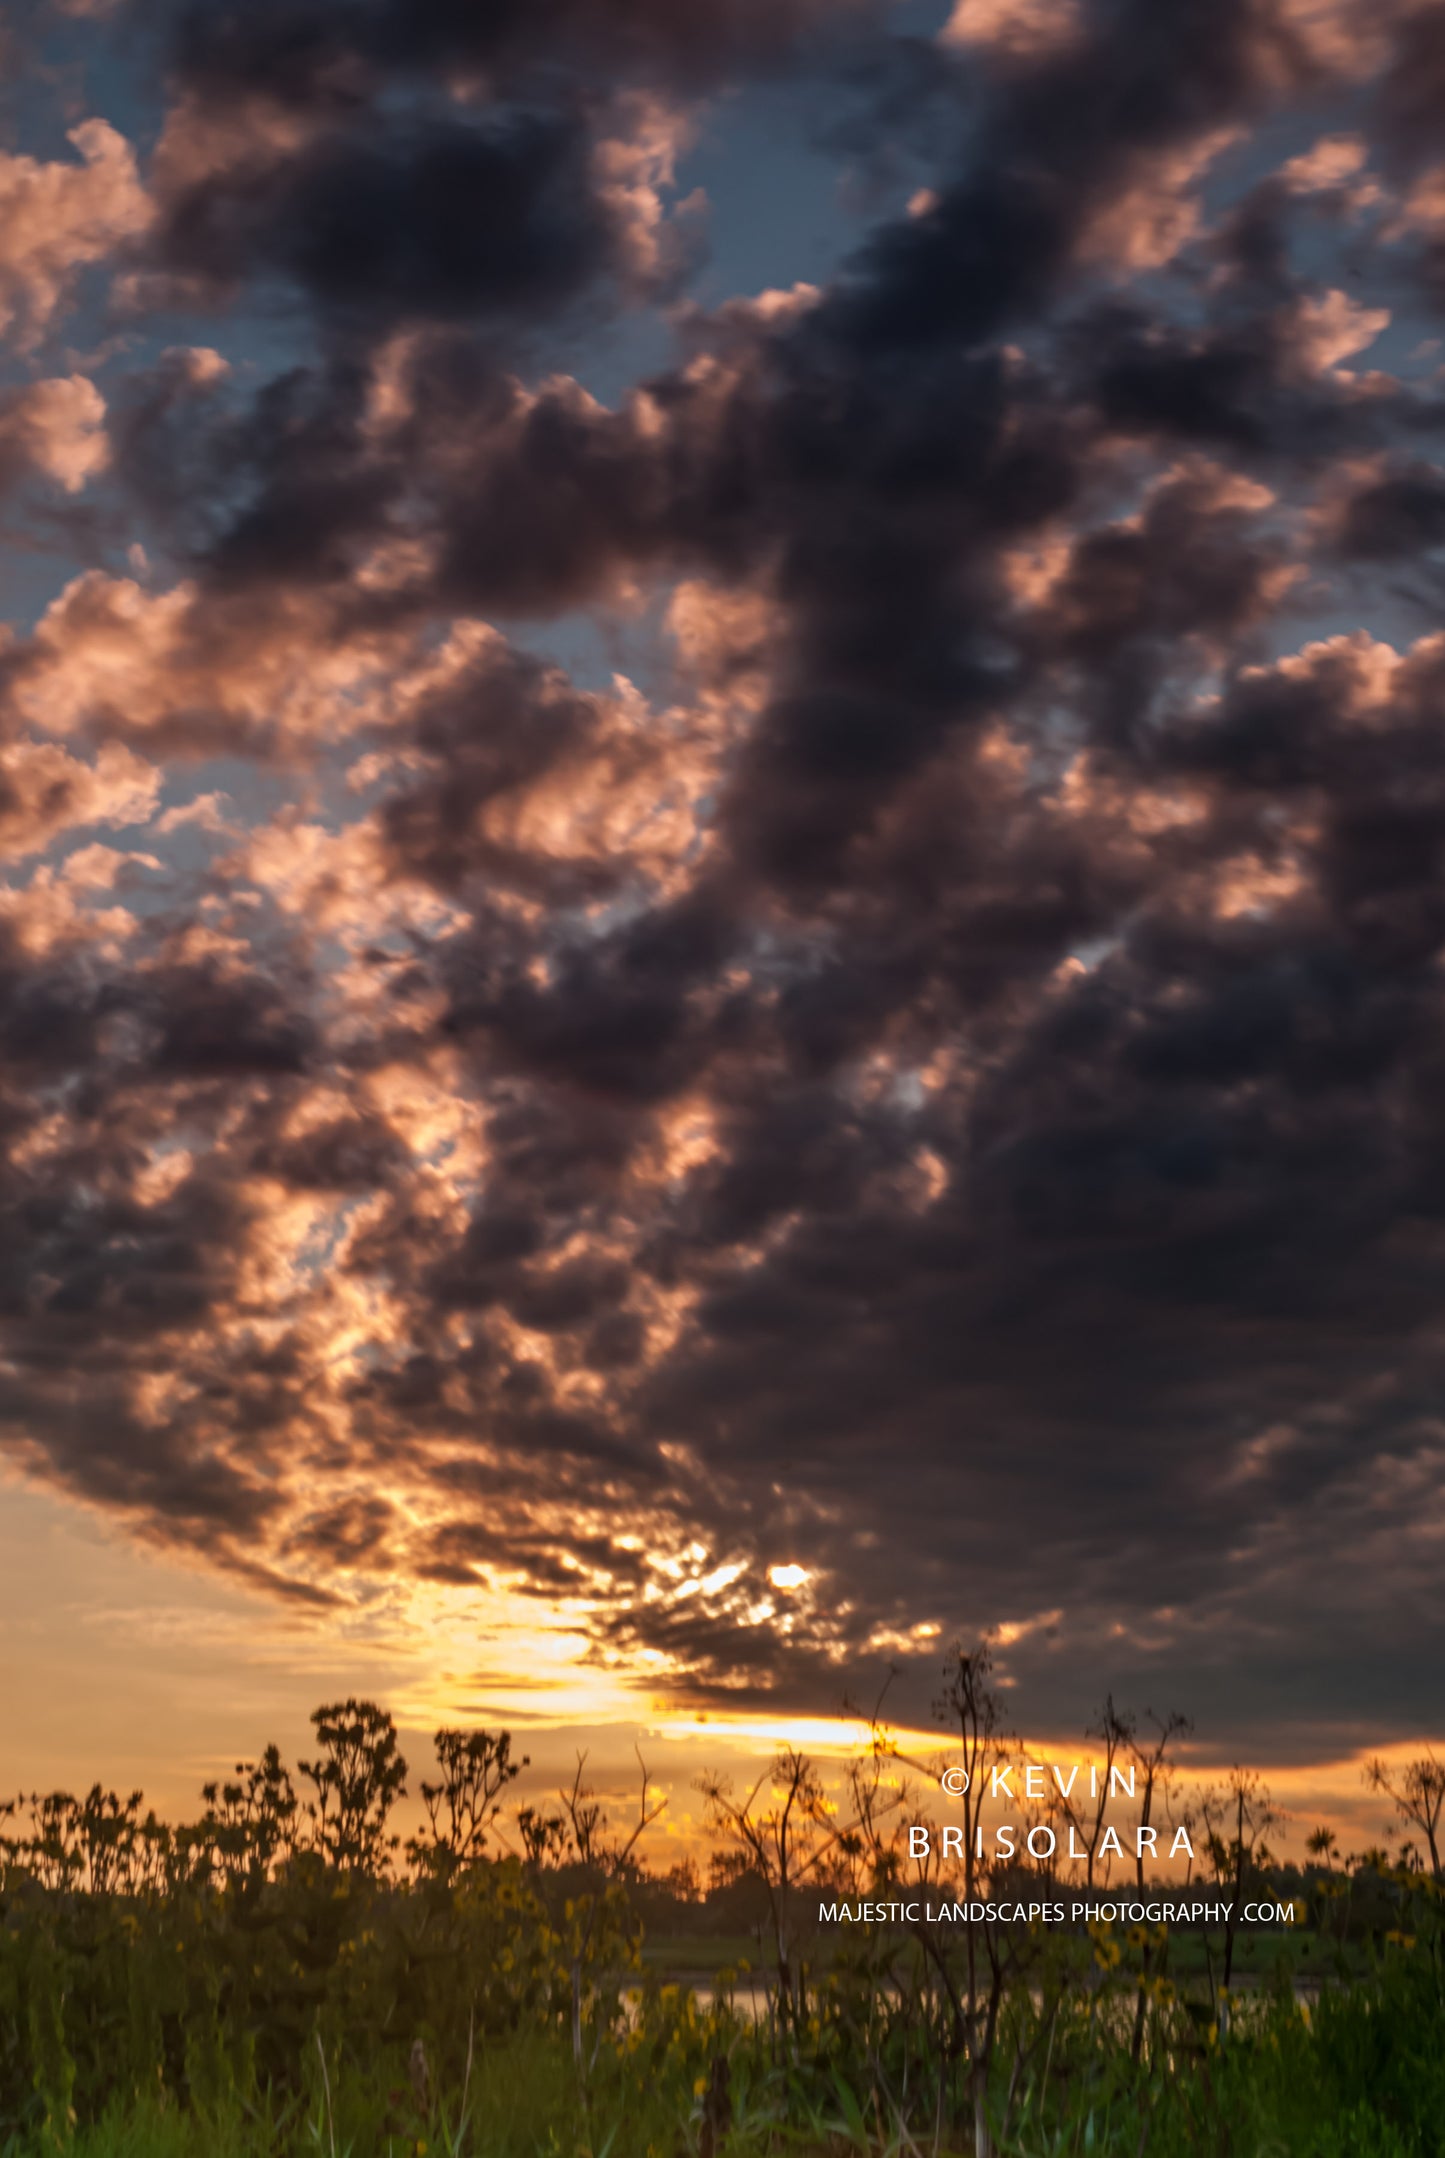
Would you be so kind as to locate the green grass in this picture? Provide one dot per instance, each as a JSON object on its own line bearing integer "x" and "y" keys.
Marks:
{"x": 321, "y": 2016}
{"x": 699, "y": 1955}
{"x": 1362, "y": 2076}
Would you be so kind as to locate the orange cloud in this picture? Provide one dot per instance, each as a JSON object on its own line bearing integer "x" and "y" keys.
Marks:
{"x": 57, "y": 218}
{"x": 45, "y": 791}
{"x": 1157, "y": 212}
{"x": 188, "y": 670}
{"x": 1013, "y": 26}
{"x": 56, "y": 428}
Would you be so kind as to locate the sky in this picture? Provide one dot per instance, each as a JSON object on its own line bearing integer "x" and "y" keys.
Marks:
{"x": 722, "y": 796}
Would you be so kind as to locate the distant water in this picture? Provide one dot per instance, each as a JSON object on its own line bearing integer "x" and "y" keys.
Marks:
{"x": 750, "y": 1996}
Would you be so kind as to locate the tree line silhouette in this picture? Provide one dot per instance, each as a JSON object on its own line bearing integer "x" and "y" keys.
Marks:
{"x": 242, "y": 1960}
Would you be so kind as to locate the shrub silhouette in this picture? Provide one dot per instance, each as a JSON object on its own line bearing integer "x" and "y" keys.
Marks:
{"x": 275, "y": 1978}
{"x": 476, "y": 1769}
{"x": 358, "y": 1776}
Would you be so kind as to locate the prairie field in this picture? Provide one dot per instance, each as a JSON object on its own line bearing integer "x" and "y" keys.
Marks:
{"x": 284, "y": 1978}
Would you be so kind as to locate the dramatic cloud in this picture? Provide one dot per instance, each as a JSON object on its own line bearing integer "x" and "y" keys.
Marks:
{"x": 58, "y": 217}
{"x": 766, "y": 962}
{"x": 54, "y": 428}
{"x": 497, "y": 215}
{"x": 308, "y": 54}
{"x": 446, "y": 162}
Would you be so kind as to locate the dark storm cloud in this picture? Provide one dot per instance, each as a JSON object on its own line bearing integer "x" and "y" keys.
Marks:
{"x": 367, "y": 181}
{"x": 314, "y": 52}
{"x": 998, "y": 242}
{"x": 1233, "y": 387}
{"x": 505, "y": 727}
{"x": 439, "y": 219}
{"x": 1397, "y": 515}
{"x": 1411, "y": 88}
{"x": 626, "y": 1018}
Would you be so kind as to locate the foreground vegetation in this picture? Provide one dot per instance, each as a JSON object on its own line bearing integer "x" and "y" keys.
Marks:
{"x": 281, "y": 1977}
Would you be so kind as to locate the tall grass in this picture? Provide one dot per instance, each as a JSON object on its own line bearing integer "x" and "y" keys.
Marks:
{"x": 244, "y": 1990}
{"x": 1360, "y": 2073}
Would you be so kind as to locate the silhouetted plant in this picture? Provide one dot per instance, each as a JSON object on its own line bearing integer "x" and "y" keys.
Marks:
{"x": 193, "y": 1988}
{"x": 1418, "y": 1793}
{"x": 782, "y": 1830}
{"x": 544, "y": 1839}
{"x": 358, "y": 1776}
{"x": 251, "y": 1824}
{"x": 1237, "y": 1820}
{"x": 476, "y": 1769}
